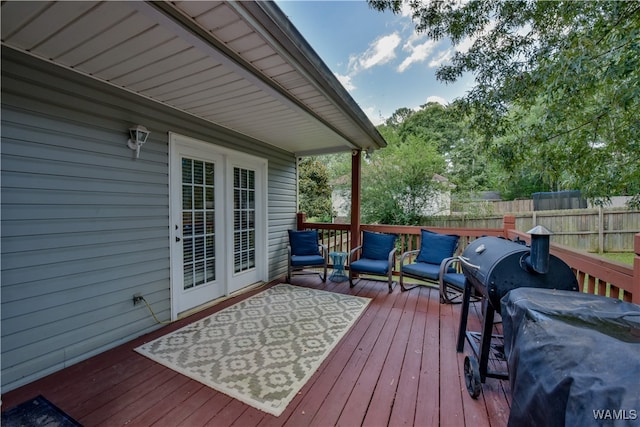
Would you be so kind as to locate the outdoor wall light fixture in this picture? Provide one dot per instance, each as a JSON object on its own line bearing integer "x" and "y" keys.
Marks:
{"x": 139, "y": 135}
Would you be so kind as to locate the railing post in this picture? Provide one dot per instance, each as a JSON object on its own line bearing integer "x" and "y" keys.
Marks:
{"x": 635, "y": 292}
{"x": 301, "y": 218}
{"x": 356, "y": 169}
{"x": 508, "y": 223}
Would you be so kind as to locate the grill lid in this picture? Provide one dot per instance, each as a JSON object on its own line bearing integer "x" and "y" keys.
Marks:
{"x": 481, "y": 256}
{"x": 494, "y": 266}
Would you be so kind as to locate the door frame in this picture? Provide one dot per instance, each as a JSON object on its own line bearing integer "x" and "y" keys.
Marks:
{"x": 258, "y": 273}
{"x": 231, "y": 158}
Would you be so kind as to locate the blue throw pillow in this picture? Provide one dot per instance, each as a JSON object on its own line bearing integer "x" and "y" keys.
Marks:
{"x": 377, "y": 245}
{"x": 435, "y": 247}
{"x": 304, "y": 242}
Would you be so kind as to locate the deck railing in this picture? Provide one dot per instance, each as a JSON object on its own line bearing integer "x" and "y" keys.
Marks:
{"x": 595, "y": 275}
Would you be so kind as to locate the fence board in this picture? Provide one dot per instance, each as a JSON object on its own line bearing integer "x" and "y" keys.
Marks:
{"x": 590, "y": 230}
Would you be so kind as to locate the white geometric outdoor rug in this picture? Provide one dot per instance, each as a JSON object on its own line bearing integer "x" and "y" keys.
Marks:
{"x": 263, "y": 349}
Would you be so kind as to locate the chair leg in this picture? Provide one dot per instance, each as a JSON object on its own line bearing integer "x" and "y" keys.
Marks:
{"x": 390, "y": 281}
{"x": 444, "y": 295}
{"x": 403, "y": 288}
{"x": 351, "y": 284}
{"x": 324, "y": 278}
{"x": 401, "y": 281}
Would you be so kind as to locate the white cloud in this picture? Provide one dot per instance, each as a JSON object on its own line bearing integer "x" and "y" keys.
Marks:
{"x": 417, "y": 53}
{"x": 381, "y": 51}
{"x": 374, "y": 115}
{"x": 346, "y": 82}
{"x": 440, "y": 100}
{"x": 465, "y": 44}
{"x": 441, "y": 58}
{"x": 405, "y": 9}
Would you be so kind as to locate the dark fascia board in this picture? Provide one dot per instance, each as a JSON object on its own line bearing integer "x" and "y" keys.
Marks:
{"x": 272, "y": 19}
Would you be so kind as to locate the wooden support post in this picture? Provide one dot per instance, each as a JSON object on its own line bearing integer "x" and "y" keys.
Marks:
{"x": 301, "y": 218}
{"x": 600, "y": 230}
{"x": 635, "y": 292}
{"x": 508, "y": 223}
{"x": 355, "y": 197}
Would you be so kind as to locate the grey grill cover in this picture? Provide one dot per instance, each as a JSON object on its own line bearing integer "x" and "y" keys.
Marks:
{"x": 572, "y": 357}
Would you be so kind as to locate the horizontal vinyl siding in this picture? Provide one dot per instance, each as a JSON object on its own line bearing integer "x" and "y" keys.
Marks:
{"x": 83, "y": 228}
{"x": 84, "y": 224}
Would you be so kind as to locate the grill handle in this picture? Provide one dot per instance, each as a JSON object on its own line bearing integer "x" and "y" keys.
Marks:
{"x": 466, "y": 262}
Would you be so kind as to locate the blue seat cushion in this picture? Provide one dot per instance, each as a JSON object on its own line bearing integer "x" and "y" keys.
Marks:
{"x": 455, "y": 279}
{"x": 435, "y": 247}
{"x": 422, "y": 269}
{"x": 304, "y": 242}
{"x": 374, "y": 266}
{"x": 377, "y": 245}
{"x": 304, "y": 260}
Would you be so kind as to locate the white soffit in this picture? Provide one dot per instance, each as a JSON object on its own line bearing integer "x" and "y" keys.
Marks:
{"x": 211, "y": 59}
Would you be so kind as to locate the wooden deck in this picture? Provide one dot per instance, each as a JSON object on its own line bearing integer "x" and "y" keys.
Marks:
{"x": 396, "y": 366}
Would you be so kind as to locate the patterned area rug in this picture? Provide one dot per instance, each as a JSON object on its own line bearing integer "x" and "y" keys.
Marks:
{"x": 264, "y": 349}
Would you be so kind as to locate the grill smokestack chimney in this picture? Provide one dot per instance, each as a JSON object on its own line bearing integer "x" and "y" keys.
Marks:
{"x": 538, "y": 259}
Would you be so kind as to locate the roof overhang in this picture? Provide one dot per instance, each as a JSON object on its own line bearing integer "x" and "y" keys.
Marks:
{"x": 239, "y": 64}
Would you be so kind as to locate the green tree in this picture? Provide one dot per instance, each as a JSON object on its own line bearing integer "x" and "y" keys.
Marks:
{"x": 399, "y": 116}
{"x": 577, "y": 62}
{"x": 314, "y": 189}
{"x": 397, "y": 182}
{"x": 435, "y": 123}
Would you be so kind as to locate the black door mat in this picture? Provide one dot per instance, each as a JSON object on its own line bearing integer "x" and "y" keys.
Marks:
{"x": 37, "y": 412}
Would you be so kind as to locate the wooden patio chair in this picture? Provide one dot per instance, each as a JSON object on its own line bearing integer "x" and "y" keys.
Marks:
{"x": 376, "y": 257}
{"x": 434, "y": 263}
{"x": 304, "y": 251}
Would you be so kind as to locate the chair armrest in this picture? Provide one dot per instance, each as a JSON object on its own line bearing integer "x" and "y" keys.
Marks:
{"x": 406, "y": 254}
{"x": 325, "y": 251}
{"x": 445, "y": 264}
{"x": 353, "y": 253}
{"x": 392, "y": 259}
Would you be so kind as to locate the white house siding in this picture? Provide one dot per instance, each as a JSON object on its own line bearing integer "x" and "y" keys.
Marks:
{"x": 84, "y": 225}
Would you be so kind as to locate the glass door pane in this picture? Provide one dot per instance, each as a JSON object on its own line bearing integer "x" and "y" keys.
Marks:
{"x": 244, "y": 212}
{"x": 198, "y": 219}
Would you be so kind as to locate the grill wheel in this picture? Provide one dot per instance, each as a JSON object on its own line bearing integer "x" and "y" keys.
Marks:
{"x": 472, "y": 376}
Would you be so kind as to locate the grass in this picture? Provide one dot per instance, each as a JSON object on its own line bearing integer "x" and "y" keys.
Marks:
{"x": 623, "y": 257}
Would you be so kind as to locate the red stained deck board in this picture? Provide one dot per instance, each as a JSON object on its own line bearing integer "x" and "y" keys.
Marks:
{"x": 117, "y": 404}
{"x": 346, "y": 359}
{"x": 451, "y": 378}
{"x": 162, "y": 402}
{"x": 207, "y": 411}
{"x": 357, "y": 386}
{"x": 428, "y": 398}
{"x": 404, "y": 407}
{"x": 386, "y": 391}
{"x": 195, "y": 399}
{"x": 396, "y": 366}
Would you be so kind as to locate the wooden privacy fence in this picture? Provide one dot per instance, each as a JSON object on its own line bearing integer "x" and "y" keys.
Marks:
{"x": 595, "y": 275}
{"x": 590, "y": 230}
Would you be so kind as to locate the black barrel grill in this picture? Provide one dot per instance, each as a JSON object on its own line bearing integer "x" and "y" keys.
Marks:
{"x": 492, "y": 267}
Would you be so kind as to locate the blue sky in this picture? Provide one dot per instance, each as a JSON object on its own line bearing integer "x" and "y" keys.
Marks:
{"x": 377, "y": 56}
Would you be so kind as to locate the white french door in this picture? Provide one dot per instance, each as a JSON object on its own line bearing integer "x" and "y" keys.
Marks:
{"x": 218, "y": 222}
{"x": 245, "y": 217}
